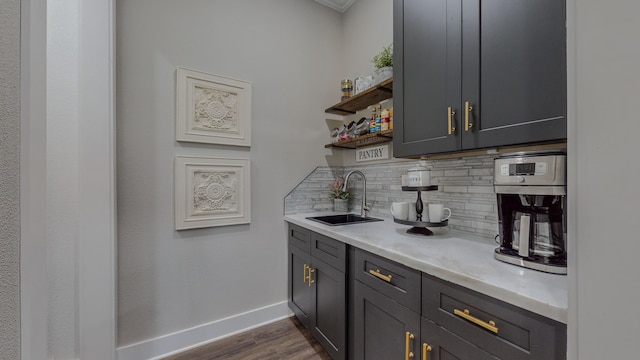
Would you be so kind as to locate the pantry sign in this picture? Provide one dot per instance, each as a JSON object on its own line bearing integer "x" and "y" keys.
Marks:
{"x": 380, "y": 152}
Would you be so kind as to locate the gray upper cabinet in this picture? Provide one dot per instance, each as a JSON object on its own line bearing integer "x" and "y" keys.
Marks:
{"x": 473, "y": 74}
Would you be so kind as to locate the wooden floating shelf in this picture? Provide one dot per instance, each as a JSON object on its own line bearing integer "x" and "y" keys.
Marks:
{"x": 372, "y": 95}
{"x": 364, "y": 140}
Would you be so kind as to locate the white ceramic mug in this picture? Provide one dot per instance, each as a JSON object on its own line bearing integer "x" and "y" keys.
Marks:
{"x": 400, "y": 210}
{"x": 412, "y": 212}
{"x": 436, "y": 213}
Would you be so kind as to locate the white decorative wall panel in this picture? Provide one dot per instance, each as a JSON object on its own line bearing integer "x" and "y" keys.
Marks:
{"x": 211, "y": 192}
{"x": 212, "y": 109}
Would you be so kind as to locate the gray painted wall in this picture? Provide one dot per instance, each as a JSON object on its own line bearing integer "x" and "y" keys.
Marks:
{"x": 10, "y": 179}
{"x": 168, "y": 280}
{"x": 603, "y": 143}
{"x": 367, "y": 28}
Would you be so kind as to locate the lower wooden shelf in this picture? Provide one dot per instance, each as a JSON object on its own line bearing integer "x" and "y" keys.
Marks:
{"x": 364, "y": 140}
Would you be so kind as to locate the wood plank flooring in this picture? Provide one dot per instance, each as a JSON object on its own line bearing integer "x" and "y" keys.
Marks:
{"x": 284, "y": 339}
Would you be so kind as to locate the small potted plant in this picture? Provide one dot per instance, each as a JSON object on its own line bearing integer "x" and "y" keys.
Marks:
{"x": 383, "y": 63}
{"x": 340, "y": 197}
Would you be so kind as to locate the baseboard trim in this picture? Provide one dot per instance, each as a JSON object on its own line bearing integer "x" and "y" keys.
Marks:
{"x": 202, "y": 334}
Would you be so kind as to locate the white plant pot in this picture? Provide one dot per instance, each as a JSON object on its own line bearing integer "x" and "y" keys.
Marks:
{"x": 340, "y": 205}
{"x": 383, "y": 74}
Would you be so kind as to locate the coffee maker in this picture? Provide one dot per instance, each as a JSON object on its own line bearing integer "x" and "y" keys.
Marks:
{"x": 532, "y": 210}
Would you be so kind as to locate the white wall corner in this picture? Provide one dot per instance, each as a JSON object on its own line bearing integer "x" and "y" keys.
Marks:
{"x": 338, "y": 5}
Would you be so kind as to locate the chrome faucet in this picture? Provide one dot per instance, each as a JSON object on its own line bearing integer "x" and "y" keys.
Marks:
{"x": 365, "y": 208}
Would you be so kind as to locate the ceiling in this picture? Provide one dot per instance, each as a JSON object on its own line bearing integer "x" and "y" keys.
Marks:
{"x": 338, "y": 5}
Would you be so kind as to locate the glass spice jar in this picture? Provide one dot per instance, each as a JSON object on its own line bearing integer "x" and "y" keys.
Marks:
{"x": 346, "y": 86}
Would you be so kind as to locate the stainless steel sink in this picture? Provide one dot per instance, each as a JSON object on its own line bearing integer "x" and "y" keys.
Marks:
{"x": 342, "y": 219}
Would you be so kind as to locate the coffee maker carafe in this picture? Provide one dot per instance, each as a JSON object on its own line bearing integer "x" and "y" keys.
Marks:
{"x": 531, "y": 192}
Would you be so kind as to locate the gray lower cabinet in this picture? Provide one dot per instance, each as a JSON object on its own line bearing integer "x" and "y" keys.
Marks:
{"x": 317, "y": 287}
{"x": 383, "y": 329}
{"x": 440, "y": 344}
{"x": 329, "y": 303}
{"x": 299, "y": 290}
{"x": 395, "y": 312}
{"x": 386, "y": 318}
{"x": 505, "y": 331}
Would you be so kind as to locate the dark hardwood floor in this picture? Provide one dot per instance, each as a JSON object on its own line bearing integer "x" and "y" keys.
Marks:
{"x": 284, "y": 339}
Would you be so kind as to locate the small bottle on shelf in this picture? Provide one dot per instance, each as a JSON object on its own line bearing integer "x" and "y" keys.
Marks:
{"x": 384, "y": 123}
{"x": 372, "y": 122}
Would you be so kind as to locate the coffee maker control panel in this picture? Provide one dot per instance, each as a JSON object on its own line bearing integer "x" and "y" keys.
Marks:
{"x": 521, "y": 169}
{"x": 546, "y": 169}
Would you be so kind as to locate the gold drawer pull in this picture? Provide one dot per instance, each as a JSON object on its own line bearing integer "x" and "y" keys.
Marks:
{"x": 305, "y": 277}
{"x": 311, "y": 281}
{"x": 491, "y": 325}
{"x": 407, "y": 351}
{"x": 379, "y": 275}
{"x": 450, "y": 113}
{"x": 426, "y": 349}
{"x": 467, "y": 113}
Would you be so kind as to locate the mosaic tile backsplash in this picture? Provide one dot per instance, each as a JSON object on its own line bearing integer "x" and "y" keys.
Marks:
{"x": 465, "y": 186}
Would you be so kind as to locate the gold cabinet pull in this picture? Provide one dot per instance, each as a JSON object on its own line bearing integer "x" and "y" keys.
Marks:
{"x": 426, "y": 349}
{"x": 305, "y": 277}
{"x": 407, "y": 351}
{"x": 491, "y": 325}
{"x": 379, "y": 275}
{"x": 467, "y": 114}
{"x": 311, "y": 271}
{"x": 450, "y": 114}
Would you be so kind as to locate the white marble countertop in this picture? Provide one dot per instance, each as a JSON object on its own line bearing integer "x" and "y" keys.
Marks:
{"x": 457, "y": 257}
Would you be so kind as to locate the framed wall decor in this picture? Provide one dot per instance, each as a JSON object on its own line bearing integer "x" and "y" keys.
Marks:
{"x": 211, "y": 192}
{"x": 212, "y": 109}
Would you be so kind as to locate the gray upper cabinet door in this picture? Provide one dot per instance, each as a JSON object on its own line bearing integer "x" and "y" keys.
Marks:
{"x": 426, "y": 85}
{"x": 514, "y": 72}
{"x": 473, "y": 74}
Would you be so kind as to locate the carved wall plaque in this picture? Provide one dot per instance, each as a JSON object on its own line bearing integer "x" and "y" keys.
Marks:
{"x": 211, "y": 192}
{"x": 212, "y": 109}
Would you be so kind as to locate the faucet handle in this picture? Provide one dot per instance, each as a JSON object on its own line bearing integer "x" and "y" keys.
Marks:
{"x": 365, "y": 210}
{"x": 368, "y": 206}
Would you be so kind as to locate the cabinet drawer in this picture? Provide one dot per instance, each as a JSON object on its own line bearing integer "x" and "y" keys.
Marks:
{"x": 394, "y": 280}
{"x": 331, "y": 251}
{"x": 299, "y": 237}
{"x": 445, "y": 345}
{"x": 520, "y": 334}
